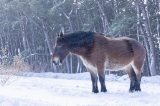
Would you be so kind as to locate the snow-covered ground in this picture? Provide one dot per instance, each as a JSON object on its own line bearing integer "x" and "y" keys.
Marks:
{"x": 55, "y": 89}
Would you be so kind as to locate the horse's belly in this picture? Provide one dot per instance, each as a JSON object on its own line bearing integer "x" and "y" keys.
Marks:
{"x": 115, "y": 65}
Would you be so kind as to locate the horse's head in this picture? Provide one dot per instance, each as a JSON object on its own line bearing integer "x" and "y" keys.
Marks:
{"x": 60, "y": 50}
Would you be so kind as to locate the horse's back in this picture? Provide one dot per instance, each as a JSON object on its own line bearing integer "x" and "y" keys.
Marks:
{"x": 123, "y": 46}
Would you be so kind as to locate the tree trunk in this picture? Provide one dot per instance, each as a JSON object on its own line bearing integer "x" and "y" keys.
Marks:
{"x": 158, "y": 22}
{"x": 104, "y": 18}
{"x": 138, "y": 21}
{"x": 147, "y": 50}
{"x": 67, "y": 64}
{"x": 71, "y": 62}
{"x": 22, "y": 26}
{"x": 69, "y": 19}
{"x": 77, "y": 16}
{"x": 79, "y": 65}
{"x": 149, "y": 36}
{"x": 43, "y": 28}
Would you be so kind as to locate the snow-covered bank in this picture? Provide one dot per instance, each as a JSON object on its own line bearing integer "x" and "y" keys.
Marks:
{"x": 52, "y": 89}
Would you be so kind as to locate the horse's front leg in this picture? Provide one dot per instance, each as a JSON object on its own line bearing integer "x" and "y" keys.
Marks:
{"x": 94, "y": 80}
{"x": 101, "y": 75}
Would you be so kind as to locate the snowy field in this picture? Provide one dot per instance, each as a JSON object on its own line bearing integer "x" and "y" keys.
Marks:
{"x": 53, "y": 89}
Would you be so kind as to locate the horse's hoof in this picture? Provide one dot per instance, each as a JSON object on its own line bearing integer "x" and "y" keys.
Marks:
{"x": 131, "y": 90}
{"x": 138, "y": 89}
{"x": 104, "y": 90}
{"x": 95, "y": 91}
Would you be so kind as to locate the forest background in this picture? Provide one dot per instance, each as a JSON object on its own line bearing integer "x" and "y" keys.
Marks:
{"x": 28, "y": 30}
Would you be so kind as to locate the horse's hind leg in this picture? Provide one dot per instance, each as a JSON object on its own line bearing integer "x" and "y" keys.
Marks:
{"x": 129, "y": 70}
{"x": 138, "y": 71}
{"x": 135, "y": 78}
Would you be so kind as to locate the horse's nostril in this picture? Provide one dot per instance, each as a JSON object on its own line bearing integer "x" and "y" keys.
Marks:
{"x": 55, "y": 62}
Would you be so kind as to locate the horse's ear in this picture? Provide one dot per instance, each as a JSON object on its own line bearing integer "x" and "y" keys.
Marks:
{"x": 61, "y": 34}
{"x": 57, "y": 35}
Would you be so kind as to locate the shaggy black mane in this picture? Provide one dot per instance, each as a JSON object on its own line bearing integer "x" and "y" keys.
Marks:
{"x": 79, "y": 39}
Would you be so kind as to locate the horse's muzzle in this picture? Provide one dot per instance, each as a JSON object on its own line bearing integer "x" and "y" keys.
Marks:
{"x": 57, "y": 62}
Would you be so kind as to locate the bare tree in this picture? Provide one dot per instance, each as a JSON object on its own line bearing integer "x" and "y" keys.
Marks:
{"x": 104, "y": 18}
{"x": 149, "y": 36}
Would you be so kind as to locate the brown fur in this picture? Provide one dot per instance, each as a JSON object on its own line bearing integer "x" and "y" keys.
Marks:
{"x": 112, "y": 54}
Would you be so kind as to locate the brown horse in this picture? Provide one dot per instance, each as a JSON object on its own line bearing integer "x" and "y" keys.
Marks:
{"x": 99, "y": 53}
